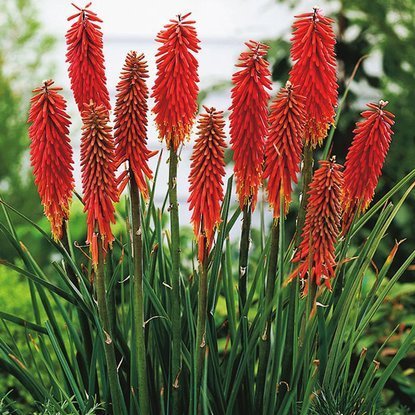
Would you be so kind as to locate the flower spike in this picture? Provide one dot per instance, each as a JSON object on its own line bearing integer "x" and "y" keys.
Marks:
{"x": 98, "y": 176}
{"x": 365, "y": 158}
{"x": 316, "y": 253}
{"x": 248, "y": 120}
{"x": 175, "y": 90}
{"x": 86, "y": 59}
{"x": 314, "y": 72}
{"x": 206, "y": 177}
{"x": 51, "y": 154}
{"x": 284, "y": 146}
{"x": 130, "y": 129}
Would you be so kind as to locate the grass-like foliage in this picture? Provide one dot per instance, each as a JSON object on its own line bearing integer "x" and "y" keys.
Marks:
{"x": 319, "y": 368}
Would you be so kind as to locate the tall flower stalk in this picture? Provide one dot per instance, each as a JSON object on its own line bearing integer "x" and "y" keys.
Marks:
{"x": 86, "y": 59}
{"x": 283, "y": 150}
{"x": 314, "y": 73}
{"x": 206, "y": 195}
{"x": 130, "y": 132}
{"x": 51, "y": 154}
{"x": 365, "y": 158}
{"x": 248, "y": 128}
{"x": 175, "y": 94}
{"x": 99, "y": 194}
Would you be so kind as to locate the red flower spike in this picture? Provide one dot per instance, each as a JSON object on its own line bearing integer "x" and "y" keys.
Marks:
{"x": 314, "y": 72}
{"x": 175, "y": 90}
{"x": 130, "y": 129}
{"x": 365, "y": 158}
{"x": 284, "y": 146}
{"x": 206, "y": 177}
{"x": 248, "y": 120}
{"x": 98, "y": 176}
{"x": 86, "y": 59}
{"x": 51, "y": 154}
{"x": 316, "y": 253}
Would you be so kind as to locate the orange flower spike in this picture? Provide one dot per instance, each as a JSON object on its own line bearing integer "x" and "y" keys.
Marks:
{"x": 316, "y": 253}
{"x": 51, "y": 154}
{"x": 284, "y": 146}
{"x": 248, "y": 120}
{"x": 314, "y": 72}
{"x": 98, "y": 176}
{"x": 175, "y": 90}
{"x": 207, "y": 171}
{"x": 86, "y": 59}
{"x": 365, "y": 159}
{"x": 130, "y": 129}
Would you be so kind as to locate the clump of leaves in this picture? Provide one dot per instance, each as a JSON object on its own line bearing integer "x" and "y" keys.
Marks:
{"x": 328, "y": 402}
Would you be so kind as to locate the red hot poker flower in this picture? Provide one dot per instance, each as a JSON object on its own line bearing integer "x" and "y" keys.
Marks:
{"x": 364, "y": 161}
{"x": 314, "y": 72}
{"x": 206, "y": 177}
{"x": 284, "y": 146}
{"x": 86, "y": 59}
{"x": 248, "y": 120}
{"x": 175, "y": 89}
{"x": 130, "y": 130}
{"x": 98, "y": 176}
{"x": 51, "y": 154}
{"x": 316, "y": 253}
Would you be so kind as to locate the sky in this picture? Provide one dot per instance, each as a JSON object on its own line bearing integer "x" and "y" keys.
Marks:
{"x": 218, "y": 19}
{"x": 221, "y": 25}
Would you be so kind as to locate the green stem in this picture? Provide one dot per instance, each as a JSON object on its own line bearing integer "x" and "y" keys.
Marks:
{"x": 245, "y": 401}
{"x": 243, "y": 255}
{"x": 113, "y": 380}
{"x": 201, "y": 324}
{"x": 175, "y": 307}
{"x": 140, "y": 346}
{"x": 308, "y": 341}
{"x": 265, "y": 340}
{"x": 82, "y": 317}
{"x": 111, "y": 307}
{"x": 306, "y": 173}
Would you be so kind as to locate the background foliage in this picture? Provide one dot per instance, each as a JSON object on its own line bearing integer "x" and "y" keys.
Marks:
{"x": 23, "y": 47}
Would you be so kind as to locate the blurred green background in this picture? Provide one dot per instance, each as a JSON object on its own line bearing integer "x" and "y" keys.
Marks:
{"x": 383, "y": 30}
